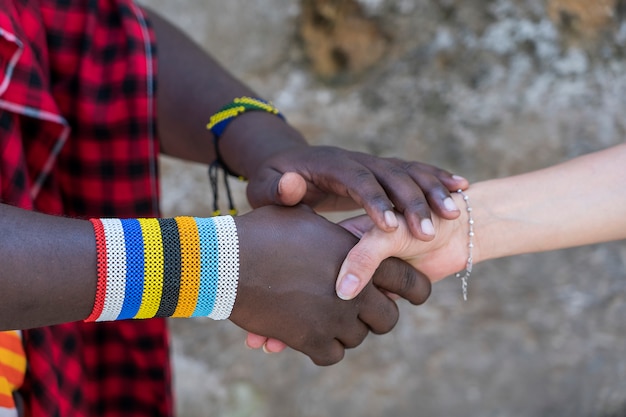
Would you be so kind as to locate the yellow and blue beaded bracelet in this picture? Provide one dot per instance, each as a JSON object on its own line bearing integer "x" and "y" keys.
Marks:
{"x": 180, "y": 267}
{"x": 217, "y": 124}
{"x": 222, "y": 118}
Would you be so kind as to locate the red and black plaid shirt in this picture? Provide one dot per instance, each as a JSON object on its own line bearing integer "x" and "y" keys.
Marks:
{"x": 77, "y": 139}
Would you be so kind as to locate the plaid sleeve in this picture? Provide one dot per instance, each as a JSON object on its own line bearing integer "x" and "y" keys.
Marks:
{"x": 77, "y": 138}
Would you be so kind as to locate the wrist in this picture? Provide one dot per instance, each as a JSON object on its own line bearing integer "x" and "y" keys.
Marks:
{"x": 465, "y": 274}
{"x": 463, "y": 227}
{"x": 253, "y": 138}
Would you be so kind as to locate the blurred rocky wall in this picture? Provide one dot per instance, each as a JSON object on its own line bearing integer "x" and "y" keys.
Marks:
{"x": 483, "y": 88}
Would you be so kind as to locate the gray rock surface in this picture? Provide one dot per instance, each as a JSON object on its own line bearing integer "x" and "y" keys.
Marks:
{"x": 482, "y": 88}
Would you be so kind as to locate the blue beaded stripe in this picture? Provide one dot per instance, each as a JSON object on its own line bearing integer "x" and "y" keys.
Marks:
{"x": 237, "y": 108}
{"x": 209, "y": 267}
{"x": 134, "y": 268}
{"x": 219, "y": 128}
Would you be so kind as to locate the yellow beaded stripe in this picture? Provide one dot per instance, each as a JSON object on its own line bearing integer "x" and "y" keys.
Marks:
{"x": 225, "y": 114}
{"x": 257, "y": 103}
{"x": 238, "y": 106}
{"x": 190, "y": 269}
{"x": 153, "y": 272}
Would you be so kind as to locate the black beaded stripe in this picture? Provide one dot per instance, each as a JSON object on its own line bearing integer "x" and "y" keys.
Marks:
{"x": 171, "y": 267}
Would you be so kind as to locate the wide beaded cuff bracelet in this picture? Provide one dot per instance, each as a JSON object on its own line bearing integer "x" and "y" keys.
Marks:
{"x": 180, "y": 267}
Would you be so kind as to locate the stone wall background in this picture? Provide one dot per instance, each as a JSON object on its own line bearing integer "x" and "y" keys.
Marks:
{"x": 480, "y": 87}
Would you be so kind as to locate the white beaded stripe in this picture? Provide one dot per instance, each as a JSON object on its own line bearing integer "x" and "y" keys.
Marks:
{"x": 116, "y": 269}
{"x": 228, "y": 249}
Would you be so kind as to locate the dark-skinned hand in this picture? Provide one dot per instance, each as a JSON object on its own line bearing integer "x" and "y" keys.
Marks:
{"x": 289, "y": 260}
{"x": 283, "y": 169}
{"x": 330, "y": 179}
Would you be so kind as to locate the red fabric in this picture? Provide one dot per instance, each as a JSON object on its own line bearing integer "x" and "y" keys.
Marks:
{"x": 76, "y": 139}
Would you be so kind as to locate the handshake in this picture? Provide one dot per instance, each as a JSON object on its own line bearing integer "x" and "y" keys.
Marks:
{"x": 289, "y": 294}
{"x": 291, "y": 278}
{"x": 292, "y": 258}
{"x": 289, "y": 261}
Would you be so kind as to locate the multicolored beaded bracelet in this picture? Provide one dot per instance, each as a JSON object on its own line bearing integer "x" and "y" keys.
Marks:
{"x": 180, "y": 267}
{"x": 217, "y": 124}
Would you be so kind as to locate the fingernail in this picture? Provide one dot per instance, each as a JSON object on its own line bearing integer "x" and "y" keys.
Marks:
{"x": 347, "y": 287}
{"x": 459, "y": 178}
{"x": 427, "y": 227}
{"x": 390, "y": 219}
{"x": 450, "y": 205}
{"x": 265, "y": 349}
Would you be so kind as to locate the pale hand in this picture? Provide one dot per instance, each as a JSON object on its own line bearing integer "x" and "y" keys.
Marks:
{"x": 441, "y": 257}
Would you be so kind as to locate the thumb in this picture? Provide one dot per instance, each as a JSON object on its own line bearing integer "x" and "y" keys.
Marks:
{"x": 291, "y": 189}
{"x": 287, "y": 189}
{"x": 361, "y": 263}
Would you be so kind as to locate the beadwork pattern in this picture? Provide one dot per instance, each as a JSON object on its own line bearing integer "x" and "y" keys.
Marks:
{"x": 190, "y": 266}
{"x": 102, "y": 270}
{"x": 217, "y": 124}
{"x": 171, "y": 267}
{"x": 221, "y": 119}
{"x": 116, "y": 269}
{"x": 180, "y": 267}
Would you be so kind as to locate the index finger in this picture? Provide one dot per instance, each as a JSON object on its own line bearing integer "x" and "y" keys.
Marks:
{"x": 359, "y": 183}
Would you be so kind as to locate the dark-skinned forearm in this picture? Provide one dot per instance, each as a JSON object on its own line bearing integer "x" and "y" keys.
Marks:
{"x": 191, "y": 87}
{"x": 48, "y": 273}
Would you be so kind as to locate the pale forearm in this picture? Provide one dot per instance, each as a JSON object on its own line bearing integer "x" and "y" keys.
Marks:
{"x": 48, "y": 273}
{"x": 575, "y": 203}
{"x": 579, "y": 202}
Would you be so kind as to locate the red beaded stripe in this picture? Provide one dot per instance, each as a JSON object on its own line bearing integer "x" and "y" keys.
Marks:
{"x": 102, "y": 270}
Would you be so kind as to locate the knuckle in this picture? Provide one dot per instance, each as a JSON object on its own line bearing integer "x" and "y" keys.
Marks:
{"x": 389, "y": 318}
{"x": 407, "y": 281}
{"x": 364, "y": 185}
{"x": 404, "y": 280}
{"x": 380, "y": 200}
{"x": 418, "y": 167}
{"x": 426, "y": 180}
{"x": 357, "y": 338}
{"x": 408, "y": 166}
{"x": 330, "y": 357}
{"x": 423, "y": 294}
{"x": 418, "y": 205}
{"x": 397, "y": 171}
{"x": 363, "y": 174}
{"x": 414, "y": 286}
